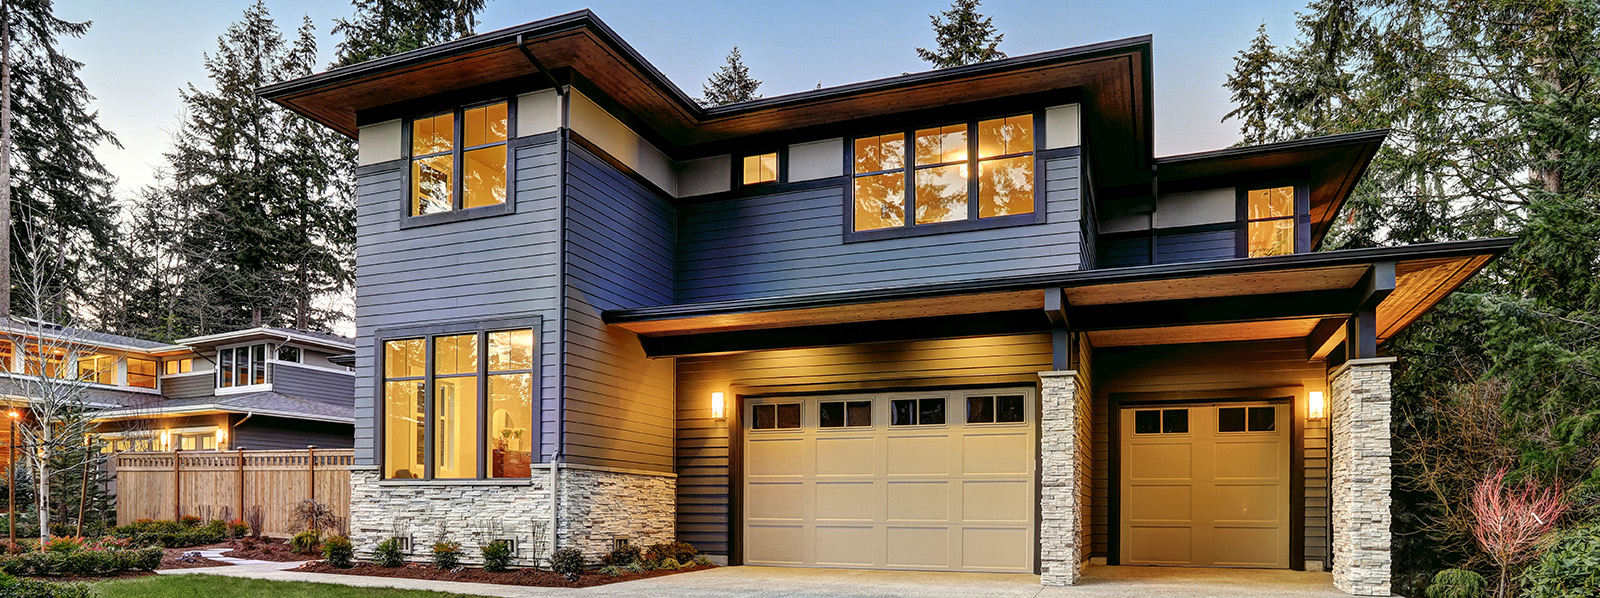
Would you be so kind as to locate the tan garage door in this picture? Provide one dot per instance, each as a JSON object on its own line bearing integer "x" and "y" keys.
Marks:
{"x": 933, "y": 480}
{"x": 1206, "y": 485}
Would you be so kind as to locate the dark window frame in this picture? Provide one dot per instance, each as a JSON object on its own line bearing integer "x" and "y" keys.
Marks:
{"x": 737, "y": 182}
{"x": 775, "y": 405}
{"x": 917, "y": 410}
{"x": 994, "y": 409}
{"x": 457, "y": 152}
{"x": 1301, "y": 217}
{"x": 972, "y": 222}
{"x": 845, "y": 421}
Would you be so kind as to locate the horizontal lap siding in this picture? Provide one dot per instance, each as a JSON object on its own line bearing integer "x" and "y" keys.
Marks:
{"x": 621, "y": 241}
{"x": 261, "y": 433}
{"x": 188, "y": 387}
{"x": 473, "y": 270}
{"x": 702, "y": 457}
{"x": 1195, "y": 247}
{"x": 323, "y": 386}
{"x": 792, "y": 242}
{"x": 1212, "y": 367}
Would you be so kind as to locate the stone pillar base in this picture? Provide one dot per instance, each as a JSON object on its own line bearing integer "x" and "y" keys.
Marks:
{"x": 1064, "y": 489}
{"x": 1359, "y": 413}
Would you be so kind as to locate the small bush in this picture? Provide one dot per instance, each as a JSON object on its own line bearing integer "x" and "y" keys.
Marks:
{"x": 622, "y": 556}
{"x": 306, "y": 542}
{"x": 238, "y": 528}
{"x": 682, "y": 552}
{"x": 337, "y": 551}
{"x": 389, "y": 554}
{"x": 63, "y": 544}
{"x": 446, "y": 555}
{"x": 669, "y": 564}
{"x": 567, "y": 561}
{"x": 189, "y": 521}
{"x": 497, "y": 556}
{"x": 62, "y": 528}
{"x": 80, "y": 562}
{"x": 11, "y": 587}
{"x": 636, "y": 567}
{"x": 611, "y": 570}
{"x": 702, "y": 561}
{"x": 256, "y": 520}
{"x": 1569, "y": 567}
{"x": 1456, "y": 583}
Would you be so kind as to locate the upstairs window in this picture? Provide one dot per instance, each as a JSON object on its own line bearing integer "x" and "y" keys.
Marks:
{"x": 761, "y": 168}
{"x": 289, "y": 354}
{"x": 963, "y": 172}
{"x": 242, "y": 366}
{"x": 141, "y": 373}
{"x": 97, "y": 368}
{"x": 179, "y": 366}
{"x": 458, "y": 159}
{"x": 1270, "y": 222}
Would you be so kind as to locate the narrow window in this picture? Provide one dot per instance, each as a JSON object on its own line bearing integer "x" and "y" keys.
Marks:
{"x": 761, "y": 168}
{"x": 1270, "y": 221}
{"x": 403, "y": 422}
{"x": 258, "y": 364}
{"x": 455, "y": 406}
{"x": 433, "y": 164}
{"x": 458, "y": 159}
{"x": 1005, "y": 166}
{"x": 511, "y": 359}
{"x": 141, "y": 373}
{"x": 7, "y": 355}
{"x": 942, "y": 171}
{"x": 880, "y": 182}
{"x": 225, "y": 368}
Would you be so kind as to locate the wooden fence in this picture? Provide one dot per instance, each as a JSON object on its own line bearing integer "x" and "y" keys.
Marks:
{"x": 214, "y": 485}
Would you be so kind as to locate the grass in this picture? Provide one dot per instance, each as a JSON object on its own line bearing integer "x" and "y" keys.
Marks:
{"x": 209, "y": 586}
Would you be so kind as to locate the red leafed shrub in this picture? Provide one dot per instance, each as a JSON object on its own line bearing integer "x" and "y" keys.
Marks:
{"x": 1510, "y": 523}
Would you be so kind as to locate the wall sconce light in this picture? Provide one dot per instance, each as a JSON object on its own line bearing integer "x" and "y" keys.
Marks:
{"x": 222, "y": 438}
{"x": 1316, "y": 407}
{"x": 166, "y": 440}
{"x": 717, "y": 407}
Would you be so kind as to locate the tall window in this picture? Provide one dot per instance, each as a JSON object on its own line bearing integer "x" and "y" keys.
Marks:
{"x": 960, "y": 172}
{"x": 1270, "y": 221}
{"x": 242, "y": 366}
{"x": 458, "y": 159}
{"x": 470, "y": 407}
{"x": 141, "y": 373}
{"x": 45, "y": 361}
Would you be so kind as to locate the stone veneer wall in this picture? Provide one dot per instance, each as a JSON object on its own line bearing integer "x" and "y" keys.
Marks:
{"x": 1066, "y": 450}
{"x": 596, "y": 506}
{"x": 1359, "y": 414}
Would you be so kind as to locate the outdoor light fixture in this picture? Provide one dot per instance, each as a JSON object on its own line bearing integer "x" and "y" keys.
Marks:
{"x": 1316, "y": 406}
{"x": 717, "y": 406}
{"x": 222, "y": 438}
{"x": 166, "y": 440}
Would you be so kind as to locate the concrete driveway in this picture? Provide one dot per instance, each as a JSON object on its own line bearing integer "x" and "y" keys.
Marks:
{"x": 1098, "y": 582}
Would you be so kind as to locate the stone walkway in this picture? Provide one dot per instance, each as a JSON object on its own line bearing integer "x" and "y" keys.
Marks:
{"x": 215, "y": 554}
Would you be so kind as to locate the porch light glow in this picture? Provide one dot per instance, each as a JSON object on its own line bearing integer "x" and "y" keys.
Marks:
{"x": 717, "y": 406}
{"x": 166, "y": 439}
{"x": 222, "y": 438}
{"x": 1316, "y": 406}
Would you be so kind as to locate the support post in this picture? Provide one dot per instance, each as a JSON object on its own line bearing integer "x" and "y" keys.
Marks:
{"x": 1064, "y": 492}
{"x": 1360, "y": 434}
{"x": 241, "y": 483}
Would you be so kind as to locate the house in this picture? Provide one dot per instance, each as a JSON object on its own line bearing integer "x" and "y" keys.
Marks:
{"x": 955, "y": 320}
{"x": 260, "y": 388}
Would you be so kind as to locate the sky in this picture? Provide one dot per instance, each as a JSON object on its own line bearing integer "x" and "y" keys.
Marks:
{"x": 139, "y": 54}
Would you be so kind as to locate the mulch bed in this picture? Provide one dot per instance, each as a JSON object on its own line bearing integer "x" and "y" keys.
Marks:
{"x": 266, "y": 549}
{"x": 518, "y": 577}
{"x": 170, "y": 559}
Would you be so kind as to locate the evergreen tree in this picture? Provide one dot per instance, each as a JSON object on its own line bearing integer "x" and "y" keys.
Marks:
{"x": 385, "y": 27}
{"x": 731, "y": 84}
{"x": 49, "y": 173}
{"x": 965, "y": 37}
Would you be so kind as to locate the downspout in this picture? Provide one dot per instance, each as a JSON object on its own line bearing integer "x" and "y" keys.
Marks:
{"x": 564, "y": 95}
{"x": 233, "y": 432}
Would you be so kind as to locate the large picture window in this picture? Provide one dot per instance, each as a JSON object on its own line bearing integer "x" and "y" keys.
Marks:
{"x": 961, "y": 172}
{"x": 458, "y": 159}
{"x": 242, "y": 366}
{"x": 465, "y": 399}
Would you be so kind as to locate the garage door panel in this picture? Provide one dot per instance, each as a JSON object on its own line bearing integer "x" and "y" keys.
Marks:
{"x": 844, "y": 456}
{"x": 995, "y": 501}
{"x": 777, "y": 500}
{"x": 1245, "y": 546}
{"x": 847, "y": 546}
{"x": 1161, "y": 504}
{"x": 917, "y": 501}
{"x": 996, "y": 454}
{"x": 1240, "y": 503}
{"x": 1249, "y": 460}
{"x": 1155, "y": 545}
{"x": 918, "y": 455}
{"x": 996, "y": 549}
{"x": 1161, "y": 462}
{"x": 842, "y": 501}
{"x": 918, "y": 547}
{"x": 775, "y": 544}
{"x": 776, "y": 456}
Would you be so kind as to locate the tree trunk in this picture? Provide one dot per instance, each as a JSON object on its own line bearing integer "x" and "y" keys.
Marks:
{"x": 5, "y": 159}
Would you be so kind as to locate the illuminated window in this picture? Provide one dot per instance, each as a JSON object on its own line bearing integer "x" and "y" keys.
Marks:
{"x": 242, "y": 366}
{"x": 458, "y": 159}
{"x": 141, "y": 373}
{"x": 1270, "y": 221}
{"x": 761, "y": 169}
{"x": 960, "y": 172}
{"x": 7, "y": 355}
{"x": 97, "y": 368}
{"x": 45, "y": 361}
{"x": 179, "y": 366}
{"x": 436, "y": 407}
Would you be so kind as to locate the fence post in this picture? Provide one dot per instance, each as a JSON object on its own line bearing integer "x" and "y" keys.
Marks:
{"x": 177, "y": 485}
{"x": 241, "y": 484}
{"x": 311, "y": 471}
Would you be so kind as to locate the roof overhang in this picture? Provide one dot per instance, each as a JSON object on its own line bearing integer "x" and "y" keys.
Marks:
{"x": 1292, "y": 296}
{"x": 266, "y": 334}
{"x": 210, "y": 409}
{"x": 1114, "y": 78}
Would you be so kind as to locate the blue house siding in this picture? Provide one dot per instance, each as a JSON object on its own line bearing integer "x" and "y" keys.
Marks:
{"x": 792, "y": 243}
{"x": 491, "y": 268}
{"x": 620, "y": 239}
{"x": 312, "y": 384}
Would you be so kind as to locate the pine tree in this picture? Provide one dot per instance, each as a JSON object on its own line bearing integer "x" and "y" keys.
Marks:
{"x": 731, "y": 84}
{"x": 964, "y": 35}
{"x": 386, "y": 27}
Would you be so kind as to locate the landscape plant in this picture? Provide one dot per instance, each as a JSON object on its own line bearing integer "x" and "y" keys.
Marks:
{"x": 1569, "y": 568}
{"x": 497, "y": 556}
{"x": 622, "y": 556}
{"x": 568, "y": 561}
{"x": 1510, "y": 523}
{"x": 306, "y": 542}
{"x": 1457, "y": 583}
{"x": 338, "y": 552}
{"x": 389, "y": 553}
{"x": 446, "y": 555}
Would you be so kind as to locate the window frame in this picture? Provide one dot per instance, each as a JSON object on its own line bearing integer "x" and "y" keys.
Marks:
{"x": 458, "y": 153}
{"x": 479, "y": 447}
{"x": 972, "y": 222}
{"x": 250, "y": 367}
{"x": 1301, "y": 217}
{"x": 798, "y": 404}
{"x": 737, "y": 181}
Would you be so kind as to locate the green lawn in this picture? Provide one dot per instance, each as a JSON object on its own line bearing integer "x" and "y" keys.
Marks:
{"x": 211, "y": 586}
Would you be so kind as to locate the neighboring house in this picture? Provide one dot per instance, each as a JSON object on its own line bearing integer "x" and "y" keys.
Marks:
{"x": 957, "y": 320}
{"x": 261, "y": 388}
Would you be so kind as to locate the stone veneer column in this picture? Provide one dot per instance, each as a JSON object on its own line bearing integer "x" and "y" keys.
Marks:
{"x": 1359, "y": 412}
{"x": 1064, "y": 460}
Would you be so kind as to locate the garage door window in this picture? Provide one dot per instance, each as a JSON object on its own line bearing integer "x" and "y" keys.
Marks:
{"x": 843, "y": 414}
{"x": 1163, "y": 421}
{"x": 917, "y": 412}
{"x": 1247, "y": 419}
{"x": 994, "y": 410}
{"x": 775, "y": 417}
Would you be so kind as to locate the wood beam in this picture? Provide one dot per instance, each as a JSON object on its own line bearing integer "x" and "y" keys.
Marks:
{"x": 1214, "y": 310}
{"x": 1324, "y": 338}
{"x": 1375, "y": 285}
{"x": 1055, "y": 306}
{"x": 958, "y": 326}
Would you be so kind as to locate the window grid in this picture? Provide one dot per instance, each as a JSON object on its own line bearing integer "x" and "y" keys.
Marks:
{"x": 442, "y": 163}
{"x": 961, "y": 172}
{"x": 451, "y": 380}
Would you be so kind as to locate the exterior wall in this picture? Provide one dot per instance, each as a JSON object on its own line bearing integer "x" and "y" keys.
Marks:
{"x": 598, "y": 506}
{"x": 619, "y": 253}
{"x": 1065, "y": 478}
{"x": 1220, "y": 370}
{"x": 261, "y": 433}
{"x": 793, "y": 242}
{"x": 477, "y": 269}
{"x": 1362, "y": 478}
{"x": 703, "y": 443}
{"x": 301, "y": 382}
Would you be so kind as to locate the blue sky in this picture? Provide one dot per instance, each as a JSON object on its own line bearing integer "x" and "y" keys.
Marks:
{"x": 139, "y": 54}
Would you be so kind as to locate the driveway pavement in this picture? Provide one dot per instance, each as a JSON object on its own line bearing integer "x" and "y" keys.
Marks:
{"x": 773, "y": 582}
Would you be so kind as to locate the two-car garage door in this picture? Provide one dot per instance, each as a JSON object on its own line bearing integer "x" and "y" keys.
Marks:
{"x": 933, "y": 480}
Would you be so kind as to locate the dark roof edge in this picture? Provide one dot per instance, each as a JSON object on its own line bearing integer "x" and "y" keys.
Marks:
{"x": 1311, "y": 142}
{"x": 1446, "y": 249}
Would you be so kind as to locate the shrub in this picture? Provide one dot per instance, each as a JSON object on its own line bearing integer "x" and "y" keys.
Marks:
{"x": 611, "y": 570}
{"x": 11, "y": 587}
{"x": 497, "y": 556}
{"x": 216, "y": 528}
{"x": 62, "y": 528}
{"x": 238, "y": 528}
{"x": 306, "y": 542}
{"x": 567, "y": 561}
{"x": 171, "y": 534}
{"x": 636, "y": 567}
{"x": 622, "y": 556}
{"x": 338, "y": 552}
{"x": 682, "y": 552}
{"x": 669, "y": 564}
{"x": 702, "y": 561}
{"x": 189, "y": 521}
{"x": 1570, "y": 566}
{"x": 256, "y": 519}
{"x": 389, "y": 554}
{"x": 1456, "y": 583}
{"x": 446, "y": 555}
{"x": 63, "y": 544}
{"x": 316, "y": 516}
{"x": 80, "y": 562}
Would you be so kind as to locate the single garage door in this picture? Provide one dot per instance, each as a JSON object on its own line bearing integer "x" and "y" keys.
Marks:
{"x": 1206, "y": 485}
{"x": 931, "y": 480}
